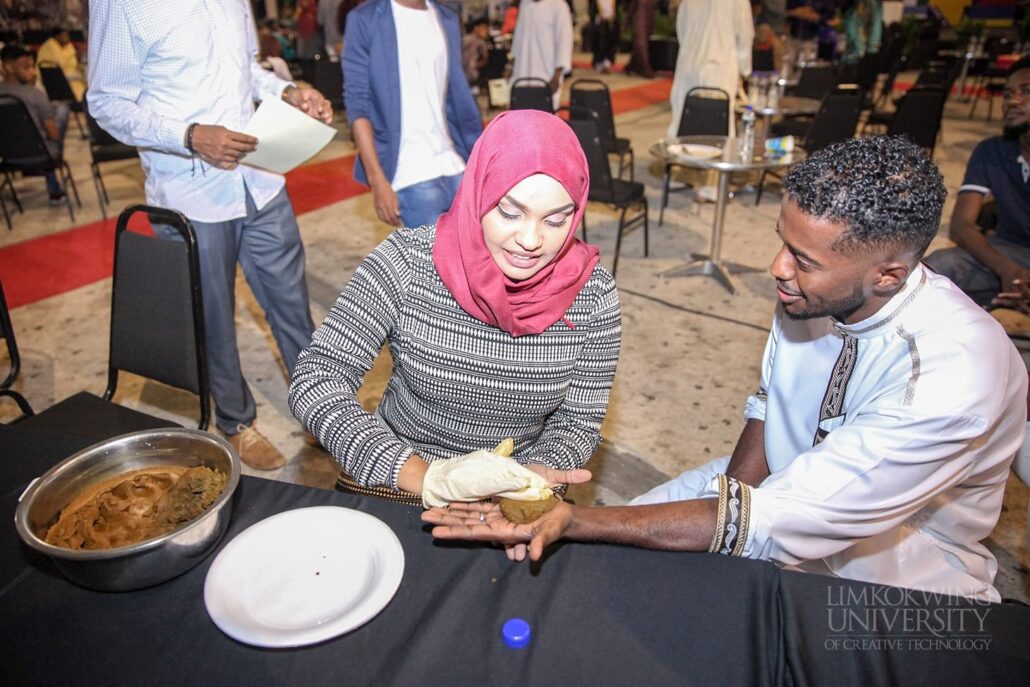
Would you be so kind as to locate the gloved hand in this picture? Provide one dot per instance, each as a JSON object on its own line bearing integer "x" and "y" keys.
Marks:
{"x": 480, "y": 475}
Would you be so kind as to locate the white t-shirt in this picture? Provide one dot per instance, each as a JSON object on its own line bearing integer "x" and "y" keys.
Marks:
{"x": 426, "y": 149}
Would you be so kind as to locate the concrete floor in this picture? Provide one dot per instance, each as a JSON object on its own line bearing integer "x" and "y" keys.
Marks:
{"x": 690, "y": 352}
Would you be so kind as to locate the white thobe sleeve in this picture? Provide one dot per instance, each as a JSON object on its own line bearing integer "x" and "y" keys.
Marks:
{"x": 864, "y": 479}
{"x": 754, "y": 406}
{"x": 563, "y": 39}
{"x": 745, "y": 31}
{"x": 115, "y": 85}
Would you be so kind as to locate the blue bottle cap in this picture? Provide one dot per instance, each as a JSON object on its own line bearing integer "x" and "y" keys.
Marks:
{"x": 516, "y": 633}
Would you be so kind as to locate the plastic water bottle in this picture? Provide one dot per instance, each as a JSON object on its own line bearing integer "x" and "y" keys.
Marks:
{"x": 747, "y": 137}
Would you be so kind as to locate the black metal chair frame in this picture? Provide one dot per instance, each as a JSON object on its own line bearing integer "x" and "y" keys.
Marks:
{"x": 534, "y": 94}
{"x": 603, "y": 188}
{"x": 594, "y": 95}
{"x": 185, "y": 229}
{"x": 685, "y": 129}
{"x": 22, "y": 140}
{"x": 58, "y": 89}
{"x": 907, "y": 104}
{"x": 103, "y": 145}
{"x": 825, "y": 118}
{"x": 7, "y": 333}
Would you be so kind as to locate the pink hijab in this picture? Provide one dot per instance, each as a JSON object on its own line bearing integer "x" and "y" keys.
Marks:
{"x": 515, "y": 145}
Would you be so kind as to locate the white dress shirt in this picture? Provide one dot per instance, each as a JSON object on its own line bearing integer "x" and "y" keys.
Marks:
{"x": 893, "y": 469}
{"x": 155, "y": 66}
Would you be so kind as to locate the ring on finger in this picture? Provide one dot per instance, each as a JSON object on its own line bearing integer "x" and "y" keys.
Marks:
{"x": 482, "y": 517}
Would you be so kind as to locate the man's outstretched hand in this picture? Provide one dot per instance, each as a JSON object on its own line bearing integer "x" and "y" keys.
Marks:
{"x": 484, "y": 522}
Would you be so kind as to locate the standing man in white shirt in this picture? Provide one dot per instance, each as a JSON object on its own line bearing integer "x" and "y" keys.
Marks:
{"x": 888, "y": 411}
{"x": 179, "y": 81}
{"x": 542, "y": 44}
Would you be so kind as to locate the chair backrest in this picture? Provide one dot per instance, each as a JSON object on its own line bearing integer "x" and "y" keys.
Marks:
{"x": 56, "y": 83}
{"x": 934, "y": 74}
{"x": 762, "y": 60}
{"x": 531, "y": 93}
{"x": 7, "y": 334}
{"x": 593, "y": 96}
{"x": 919, "y": 116}
{"x": 327, "y": 77}
{"x": 588, "y": 132}
{"x": 496, "y": 61}
{"x": 815, "y": 81}
{"x": 21, "y": 139}
{"x": 836, "y": 119}
{"x": 922, "y": 51}
{"x": 706, "y": 112}
{"x": 157, "y": 317}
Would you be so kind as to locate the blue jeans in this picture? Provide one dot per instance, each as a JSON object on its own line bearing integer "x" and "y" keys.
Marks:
{"x": 976, "y": 280}
{"x": 424, "y": 202}
{"x": 267, "y": 245}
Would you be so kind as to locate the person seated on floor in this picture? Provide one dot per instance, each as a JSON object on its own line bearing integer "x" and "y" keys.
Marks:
{"x": 501, "y": 323}
{"x": 59, "y": 50}
{"x": 982, "y": 265}
{"x": 51, "y": 118}
{"x": 888, "y": 411}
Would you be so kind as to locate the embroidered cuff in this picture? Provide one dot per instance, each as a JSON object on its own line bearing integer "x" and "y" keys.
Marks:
{"x": 731, "y": 527}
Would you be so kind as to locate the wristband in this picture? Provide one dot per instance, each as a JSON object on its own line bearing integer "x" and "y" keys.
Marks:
{"x": 189, "y": 137}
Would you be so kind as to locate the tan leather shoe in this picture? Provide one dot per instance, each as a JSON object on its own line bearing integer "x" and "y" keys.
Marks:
{"x": 255, "y": 450}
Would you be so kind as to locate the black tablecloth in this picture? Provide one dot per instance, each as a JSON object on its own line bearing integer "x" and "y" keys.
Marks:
{"x": 600, "y": 615}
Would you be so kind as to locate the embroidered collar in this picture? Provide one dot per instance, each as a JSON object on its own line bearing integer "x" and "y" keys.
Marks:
{"x": 1025, "y": 167}
{"x": 872, "y": 325}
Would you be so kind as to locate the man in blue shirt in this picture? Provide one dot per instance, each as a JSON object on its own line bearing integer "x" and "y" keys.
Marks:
{"x": 982, "y": 265}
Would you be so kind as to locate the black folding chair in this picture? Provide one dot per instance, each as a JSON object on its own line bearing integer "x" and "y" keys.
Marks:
{"x": 157, "y": 326}
{"x": 103, "y": 147}
{"x": 703, "y": 115}
{"x": 59, "y": 90}
{"x": 531, "y": 93}
{"x": 23, "y": 149}
{"x": 593, "y": 96}
{"x": 815, "y": 82}
{"x": 7, "y": 335}
{"x": 919, "y": 116}
{"x": 327, "y": 77}
{"x": 762, "y": 60}
{"x": 603, "y": 188}
{"x": 835, "y": 121}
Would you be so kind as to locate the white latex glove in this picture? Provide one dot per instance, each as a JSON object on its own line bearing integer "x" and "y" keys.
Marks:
{"x": 480, "y": 475}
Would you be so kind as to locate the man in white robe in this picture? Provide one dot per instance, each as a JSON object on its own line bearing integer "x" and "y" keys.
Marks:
{"x": 887, "y": 415}
{"x": 542, "y": 44}
{"x": 715, "y": 50}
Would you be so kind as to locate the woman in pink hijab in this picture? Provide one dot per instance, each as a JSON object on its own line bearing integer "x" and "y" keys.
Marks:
{"x": 500, "y": 322}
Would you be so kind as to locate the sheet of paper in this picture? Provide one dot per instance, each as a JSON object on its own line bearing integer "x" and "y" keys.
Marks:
{"x": 286, "y": 136}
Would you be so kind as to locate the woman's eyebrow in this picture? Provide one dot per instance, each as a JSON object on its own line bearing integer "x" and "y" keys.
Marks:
{"x": 564, "y": 208}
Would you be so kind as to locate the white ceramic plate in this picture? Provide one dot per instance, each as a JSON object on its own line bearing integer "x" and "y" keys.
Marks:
{"x": 303, "y": 576}
{"x": 694, "y": 151}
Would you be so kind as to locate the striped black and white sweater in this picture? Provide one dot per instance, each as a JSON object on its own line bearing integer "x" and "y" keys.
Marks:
{"x": 458, "y": 384}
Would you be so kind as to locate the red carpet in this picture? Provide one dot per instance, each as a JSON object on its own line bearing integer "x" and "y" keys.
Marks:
{"x": 51, "y": 265}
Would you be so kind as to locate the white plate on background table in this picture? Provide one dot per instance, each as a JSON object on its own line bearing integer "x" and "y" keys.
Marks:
{"x": 694, "y": 151}
{"x": 303, "y": 576}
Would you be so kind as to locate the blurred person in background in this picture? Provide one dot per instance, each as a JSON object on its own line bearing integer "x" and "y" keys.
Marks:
{"x": 59, "y": 50}
{"x": 542, "y": 44}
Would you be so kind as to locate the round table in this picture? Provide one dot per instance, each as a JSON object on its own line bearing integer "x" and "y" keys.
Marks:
{"x": 725, "y": 164}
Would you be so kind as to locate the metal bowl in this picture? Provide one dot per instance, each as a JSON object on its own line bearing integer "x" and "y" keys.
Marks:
{"x": 151, "y": 561}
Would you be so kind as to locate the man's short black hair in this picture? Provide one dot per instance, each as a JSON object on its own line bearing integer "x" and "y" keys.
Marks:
{"x": 476, "y": 21}
{"x": 885, "y": 190}
{"x": 14, "y": 51}
{"x": 57, "y": 31}
{"x": 1020, "y": 64}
